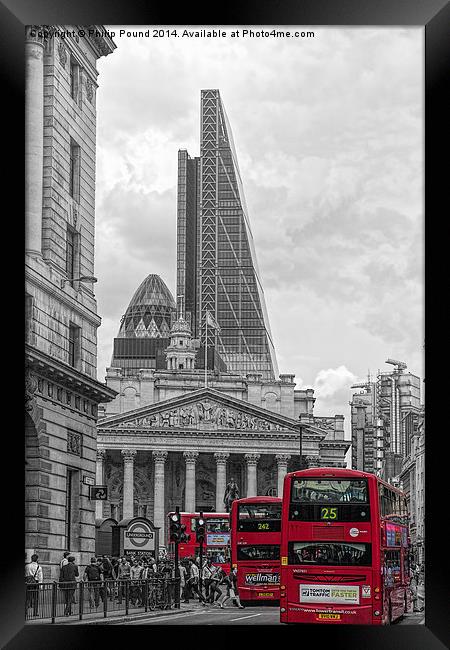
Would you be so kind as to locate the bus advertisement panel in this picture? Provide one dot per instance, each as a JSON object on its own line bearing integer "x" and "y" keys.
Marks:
{"x": 344, "y": 549}
{"x": 255, "y": 547}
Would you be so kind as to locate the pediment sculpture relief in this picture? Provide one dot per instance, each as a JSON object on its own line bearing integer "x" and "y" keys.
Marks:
{"x": 203, "y": 414}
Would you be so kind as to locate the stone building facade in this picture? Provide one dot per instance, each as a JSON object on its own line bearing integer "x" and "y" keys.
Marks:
{"x": 412, "y": 481}
{"x": 181, "y": 440}
{"x": 62, "y": 392}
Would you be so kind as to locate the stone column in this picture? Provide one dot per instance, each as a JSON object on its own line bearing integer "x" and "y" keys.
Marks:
{"x": 99, "y": 480}
{"x": 252, "y": 461}
{"x": 221, "y": 479}
{"x": 128, "y": 482}
{"x": 190, "y": 458}
{"x": 34, "y": 139}
{"x": 160, "y": 458}
{"x": 282, "y": 461}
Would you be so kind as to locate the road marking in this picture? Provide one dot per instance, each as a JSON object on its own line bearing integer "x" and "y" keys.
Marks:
{"x": 165, "y": 618}
{"x": 242, "y": 617}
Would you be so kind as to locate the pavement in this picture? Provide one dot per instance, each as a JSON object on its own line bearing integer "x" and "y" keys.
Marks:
{"x": 95, "y": 618}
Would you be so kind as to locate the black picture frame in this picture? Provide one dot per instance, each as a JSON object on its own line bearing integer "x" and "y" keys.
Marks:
{"x": 434, "y": 16}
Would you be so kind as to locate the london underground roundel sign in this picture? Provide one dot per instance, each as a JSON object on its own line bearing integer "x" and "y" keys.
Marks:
{"x": 139, "y": 537}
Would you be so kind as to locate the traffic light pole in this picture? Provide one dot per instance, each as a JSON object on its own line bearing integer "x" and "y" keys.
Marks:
{"x": 201, "y": 562}
{"x": 177, "y": 568}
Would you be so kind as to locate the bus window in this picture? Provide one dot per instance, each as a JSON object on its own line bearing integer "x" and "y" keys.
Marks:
{"x": 333, "y": 553}
{"x": 259, "y": 552}
{"x": 329, "y": 490}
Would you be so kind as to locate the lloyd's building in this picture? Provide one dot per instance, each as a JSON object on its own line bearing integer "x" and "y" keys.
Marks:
{"x": 200, "y": 399}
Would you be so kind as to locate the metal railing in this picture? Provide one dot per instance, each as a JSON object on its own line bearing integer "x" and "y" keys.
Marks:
{"x": 52, "y": 600}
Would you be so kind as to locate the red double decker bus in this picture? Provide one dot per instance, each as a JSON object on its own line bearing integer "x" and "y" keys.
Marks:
{"x": 217, "y": 541}
{"x": 344, "y": 549}
{"x": 255, "y": 547}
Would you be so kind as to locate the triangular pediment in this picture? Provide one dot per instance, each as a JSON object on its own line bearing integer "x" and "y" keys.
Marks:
{"x": 203, "y": 409}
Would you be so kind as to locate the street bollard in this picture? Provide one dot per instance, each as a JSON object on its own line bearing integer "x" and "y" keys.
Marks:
{"x": 54, "y": 598}
{"x": 105, "y": 599}
{"x": 81, "y": 599}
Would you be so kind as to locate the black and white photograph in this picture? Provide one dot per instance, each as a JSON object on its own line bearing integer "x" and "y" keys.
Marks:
{"x": 224, "y": 326}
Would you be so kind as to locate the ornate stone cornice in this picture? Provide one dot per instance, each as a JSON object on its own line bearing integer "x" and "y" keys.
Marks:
{"x": 63, "y": 374}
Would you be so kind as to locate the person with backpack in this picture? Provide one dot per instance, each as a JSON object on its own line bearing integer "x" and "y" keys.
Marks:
{"x": 93, "y": 576}
{"x": 33, "y": 578}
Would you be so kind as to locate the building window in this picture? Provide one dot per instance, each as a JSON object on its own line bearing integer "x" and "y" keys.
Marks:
{"x": 74, "y": 178}
{"x": 28, "y": 317}
{"x": 74, "y": 80}
{"x": 70, "y": 252}
{"x": 72, "y": 508}
{"x": 74, "y": 345}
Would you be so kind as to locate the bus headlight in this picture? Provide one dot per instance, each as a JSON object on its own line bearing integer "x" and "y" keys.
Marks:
{"x": 282, "y": 609}
{"x": 376, "y": 612}
{"x": 283, "y": 587}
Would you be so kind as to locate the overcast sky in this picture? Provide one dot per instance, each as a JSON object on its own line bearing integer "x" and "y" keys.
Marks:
{"x": 329, "y": 137}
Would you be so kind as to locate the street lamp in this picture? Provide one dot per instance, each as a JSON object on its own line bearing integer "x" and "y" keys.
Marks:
{"x": 82, "y": 278}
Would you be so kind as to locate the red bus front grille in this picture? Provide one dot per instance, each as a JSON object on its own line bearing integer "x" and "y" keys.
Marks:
{"x": 328, "y": 532}
{"x": 320, "y": 577}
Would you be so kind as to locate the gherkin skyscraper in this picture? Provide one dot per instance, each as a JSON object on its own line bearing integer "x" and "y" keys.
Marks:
{"x": 217, "y": 270}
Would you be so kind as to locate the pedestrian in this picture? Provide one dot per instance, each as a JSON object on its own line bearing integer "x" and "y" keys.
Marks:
{"x": 33, "y": 578}
{"x": 183, "y": 578}
{"x": 217, "y": 576}
{"x": 107, "y": 575}
{"x": 206, "y": 577}
{"x": 92, "y": 576}
{"x": 135, "y": 591}
{"x": 67, "y": 579}
{"x": 64, "y": 560}
{"x": 194, "y": 581}
{"x": 124, "y": 575}
{"x": 232, "y": 590}
{"x": 413, "y": 584}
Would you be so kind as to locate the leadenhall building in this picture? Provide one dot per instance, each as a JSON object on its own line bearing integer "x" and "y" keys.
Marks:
{"x": 200, "y": 399}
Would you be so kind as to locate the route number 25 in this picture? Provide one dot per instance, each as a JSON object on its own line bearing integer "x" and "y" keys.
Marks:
{"x": 328, "y": 513}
